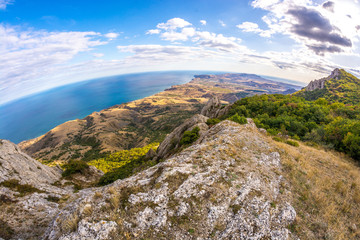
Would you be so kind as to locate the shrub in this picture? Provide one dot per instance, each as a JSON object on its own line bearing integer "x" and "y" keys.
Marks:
{"x": 278, "y": 139}
{"x": 212, "y": 121}
{"x": 74, "y": 166}
{"x": 238, "y": 119}
{"x": 124, "y": 171}
{"x": 190, "y": 136}
{"x": 292, "y": 143}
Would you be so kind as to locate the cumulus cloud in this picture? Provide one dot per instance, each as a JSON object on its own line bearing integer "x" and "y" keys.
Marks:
{"x": 320, "y": 28}
{"x": 254, "y": 28}
{"x": 153, "y": 31}
{"x": 312, "y": 25}
{"x": 4, "y": 3}
{"x": 329, "y": 6}
{"x": 222, "y": 23}
{"x": 213, "y": 40}
{"x": 173, "y": 24}
{"x": 111, "y": 35}
{"x": 203, "y": 22}
{"x": 183, "y": 35}
{"x": 177, "y": 29}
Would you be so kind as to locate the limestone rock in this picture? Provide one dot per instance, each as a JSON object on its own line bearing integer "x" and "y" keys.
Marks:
{"x": 320, "y": 83}
{"x": 14, "y": 164}
{"x": 171, "y": 142}
{"x": 27, "y": 213}
{"x": 214, "y": 108}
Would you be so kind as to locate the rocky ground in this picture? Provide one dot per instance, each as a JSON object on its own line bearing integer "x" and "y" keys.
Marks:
{"x": 228, "y": 185}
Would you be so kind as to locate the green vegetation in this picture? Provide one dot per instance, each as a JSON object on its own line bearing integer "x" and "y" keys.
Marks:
{"x": 190, "y": 136}
{"x": 74, "y": 166}
{"x": 334, "y": 125}
{"x": 345, "y": 89}
{"x": 22, "y": 189}
{"x": 238, "y": 119}
{"x": 292, "y": 143}
{"x": 212, "y": 121}
{"x": 122, "y": 164}
{"x": 121, "y": 158}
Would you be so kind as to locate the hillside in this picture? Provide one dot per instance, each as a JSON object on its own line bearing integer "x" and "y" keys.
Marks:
{"x": 144, "y": 121}
{"x": 234, "y": 181}
{"x": 340, "y": 86}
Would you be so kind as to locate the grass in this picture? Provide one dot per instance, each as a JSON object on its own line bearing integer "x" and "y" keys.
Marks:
{"x": 326, "y": 191}
{"x": 22, "y": 189}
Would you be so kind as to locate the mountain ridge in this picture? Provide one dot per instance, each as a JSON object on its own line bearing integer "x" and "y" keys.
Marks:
{"x": 339, "y": 86}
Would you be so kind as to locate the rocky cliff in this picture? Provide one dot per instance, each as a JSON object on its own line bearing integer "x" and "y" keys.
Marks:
{"x": 28, "y": 197}
{"x": 320, "y": 83}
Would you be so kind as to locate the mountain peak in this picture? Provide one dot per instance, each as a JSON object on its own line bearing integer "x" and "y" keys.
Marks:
{"x": 336, "y": 73}
{"x": 320, "y": 83}
{"x": 339, "y": 86}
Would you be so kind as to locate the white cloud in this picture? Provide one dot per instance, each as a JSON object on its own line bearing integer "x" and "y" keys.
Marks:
{"x": 111, "y": 35}
{"x": 310, "y": 24}
{"x": 207, "y": 39}
{"x": 26, "y": 56}
{"x": 222, "y": 23}
{"x": 203, "y": 22}
{"x": 254, "y": 28}
{"x": 4, "y": 3}
{"x": 178, "y": 36}
{"x": 153, "y": 31}
{"x": 173, "y": 24}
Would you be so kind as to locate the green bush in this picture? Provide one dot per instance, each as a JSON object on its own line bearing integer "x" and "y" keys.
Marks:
{"x": 126, "y": 170}
{"x": 120, "y": 158}
{"x": 292, "y": 143}
{"x": 238, "y": 119}
{"x": 212, "y": 121}
{"x": 190, "y": 136}
{"x": 74, "y": 166}
{"x": 278, "y": 139}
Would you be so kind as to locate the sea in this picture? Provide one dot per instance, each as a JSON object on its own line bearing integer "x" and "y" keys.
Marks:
{"x": 34, "y": 115}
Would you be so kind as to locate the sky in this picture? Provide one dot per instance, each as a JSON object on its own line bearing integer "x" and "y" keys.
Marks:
{"x": 45, "y": 44}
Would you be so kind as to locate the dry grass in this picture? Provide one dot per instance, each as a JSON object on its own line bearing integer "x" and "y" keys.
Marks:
{"x": 326, "y": 190}
{"x": 70, "y": 223}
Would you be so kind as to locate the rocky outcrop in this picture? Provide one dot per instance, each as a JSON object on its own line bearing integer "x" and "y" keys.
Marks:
{"x": 214, "y": 108}
{"x": 14, "y": 164}
{"x": 320, "y": 84}
{"x": 172, "y": 140}
{"x": 228, "y": 185}
{"x": 28, "y": 198}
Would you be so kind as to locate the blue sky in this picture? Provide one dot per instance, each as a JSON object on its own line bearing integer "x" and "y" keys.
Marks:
{"x": 44, "y": 44}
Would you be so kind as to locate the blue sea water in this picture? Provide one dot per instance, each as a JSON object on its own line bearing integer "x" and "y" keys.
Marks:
{"x": 35, "y": 115}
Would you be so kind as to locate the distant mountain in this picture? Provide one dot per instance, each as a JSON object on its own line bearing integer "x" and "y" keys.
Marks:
{"x": 340, "y": 86}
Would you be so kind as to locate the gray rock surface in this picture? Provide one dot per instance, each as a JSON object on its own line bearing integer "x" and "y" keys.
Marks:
{"x": 227, "y": 185}
{"x": 26, "y": 213}
{"x": 320, "y": 83}
{"x": 214, "y": 108}
{"x": 171, "y": 142}
{"x": 14, "y": 164}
